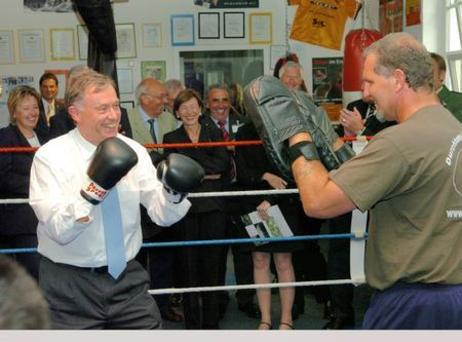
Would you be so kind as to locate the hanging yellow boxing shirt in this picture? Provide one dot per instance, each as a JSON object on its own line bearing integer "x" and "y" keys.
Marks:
{"x": 322, "y": 22}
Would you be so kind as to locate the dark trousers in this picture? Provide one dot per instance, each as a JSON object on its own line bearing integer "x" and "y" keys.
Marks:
{"x": 202, "y": 266}
{"x": 416, "y": 306}
{"x": 30, "y": 261}
{"x": 338, "y": 267}
{"x": 81, "y": 298}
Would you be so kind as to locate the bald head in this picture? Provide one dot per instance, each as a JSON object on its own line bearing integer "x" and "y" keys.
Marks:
{"x": 152, "y": 96}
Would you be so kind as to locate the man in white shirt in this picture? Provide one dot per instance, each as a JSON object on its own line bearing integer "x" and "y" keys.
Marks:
{"x": 74, "y": 272}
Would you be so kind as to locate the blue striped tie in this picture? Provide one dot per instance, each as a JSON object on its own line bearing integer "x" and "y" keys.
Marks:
{"x": 113, "y": 234}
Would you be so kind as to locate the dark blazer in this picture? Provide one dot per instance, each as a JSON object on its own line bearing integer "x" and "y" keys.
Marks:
{"x": 251, "y": 163}
{"x": 234, "y": 122}
{"x": 61, "y": 123}
{"x": 214, "y": 160}
{"x": 15, "y": 168}
{"x": 43, "y": 129}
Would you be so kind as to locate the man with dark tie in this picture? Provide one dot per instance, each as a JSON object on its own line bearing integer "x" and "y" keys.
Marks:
{"x": 48, "y": 105}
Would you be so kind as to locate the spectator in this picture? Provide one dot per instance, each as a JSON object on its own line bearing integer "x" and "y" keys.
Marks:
{"x": 18, "y": 221}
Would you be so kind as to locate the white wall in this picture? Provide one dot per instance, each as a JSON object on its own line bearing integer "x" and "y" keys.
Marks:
{"x": 13, "y": 17}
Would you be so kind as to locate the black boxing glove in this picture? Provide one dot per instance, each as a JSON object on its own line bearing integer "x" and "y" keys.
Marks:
{"x": 180, "y": 175}
{"x": 112, "y": 160}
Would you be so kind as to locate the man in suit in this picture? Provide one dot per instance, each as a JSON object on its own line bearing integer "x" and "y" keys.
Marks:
{"x": 219, "y": 114}
{"x": 452, "y": 100}
{"x": 149, "y": 123}
{"x": 48, "y": 103}
{"x": 148, "y": 120}
{"x": 173, "y": 86}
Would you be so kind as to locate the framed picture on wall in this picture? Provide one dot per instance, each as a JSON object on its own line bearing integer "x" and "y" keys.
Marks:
{"x": 182, "y": 27}
{"x": 127, "y": 104}
{"x": 209, "y": 25}
{"x": 31, "y": 46}
{"x": 152, "y": 35}
{"x": 126, "y": 42}
{"x": 234, "y": 24}
{"x": 261, "y": 28}
{"x": 154, "y": 69}
{"x": 125, "y": 80}
{"x": 82, "y": 41}
{"x": 6, "y": 47}
{"x": 62, "y": 44}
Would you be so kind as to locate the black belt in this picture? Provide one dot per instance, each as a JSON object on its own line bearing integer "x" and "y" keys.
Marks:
{"x": 100, "y": 269}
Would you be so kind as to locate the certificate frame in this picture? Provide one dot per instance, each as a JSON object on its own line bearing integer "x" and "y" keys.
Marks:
{"x": 62, "y": 44}
{"x": 234, "y": 24}
{"x": 152, "y": 35}
{"x": 126, "y": 40}
{"x": 154, "y": 69}
{"x": 82, "y": 42}
{"x": 7, "y": 47}
{"x": 125, "y": 80}
{"x": 209, "y": 25}
{"x": 261, "y": 28}
{"x": 182, "y": 29}
{"x": 31, "y": 45}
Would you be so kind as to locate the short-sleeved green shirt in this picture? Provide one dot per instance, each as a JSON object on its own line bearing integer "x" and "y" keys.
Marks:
{"x": 410, "y": 178}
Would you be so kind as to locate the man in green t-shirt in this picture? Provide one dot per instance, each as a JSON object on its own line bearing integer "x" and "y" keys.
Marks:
{"x": 409, "y": 177}
{"x": 452, "y": 100}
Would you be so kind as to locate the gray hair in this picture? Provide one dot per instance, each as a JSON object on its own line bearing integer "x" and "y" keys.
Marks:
{"x": 82, "y": 80}
{"x": 402, "y": 51}
{"x": 173, "y": 84}
{"x": 290, "y": 64}
{"x": 22, "y": 304}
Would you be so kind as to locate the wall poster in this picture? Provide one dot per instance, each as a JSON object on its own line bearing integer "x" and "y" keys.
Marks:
{"x": 227, "y": 3}
{"x": 327, "y": 85}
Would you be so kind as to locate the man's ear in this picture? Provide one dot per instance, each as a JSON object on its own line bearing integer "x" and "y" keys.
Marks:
{"x": 74, "y": 113}
{"x": 400, "y": 78}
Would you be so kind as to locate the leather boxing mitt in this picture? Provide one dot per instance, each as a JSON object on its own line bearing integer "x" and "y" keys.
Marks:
{"x": 322, "y": 133}
{"x": 111, "y": 161}
{"x": 278, "y": 114}
{"x": 180, "y": 175}
{"x": 276, "y": 117}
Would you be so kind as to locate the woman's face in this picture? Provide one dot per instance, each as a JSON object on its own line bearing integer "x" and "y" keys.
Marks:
{"x": 189, "y": 112}
{"x": 27, "y": 112}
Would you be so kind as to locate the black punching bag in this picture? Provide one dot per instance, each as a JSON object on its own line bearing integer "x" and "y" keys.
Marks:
{"x": 102, "y": 43}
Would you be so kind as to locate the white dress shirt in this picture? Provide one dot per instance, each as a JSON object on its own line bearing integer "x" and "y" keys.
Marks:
{"x": 57, "y": 175}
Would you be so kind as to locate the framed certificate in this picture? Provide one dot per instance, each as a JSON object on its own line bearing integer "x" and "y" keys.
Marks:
{"x": 62, "y": 44}
{"x": 182, "y": 27}
{"x": 234, "y": 24}
{"x": 209, "y": 25}
{"x": 261, "y": 30}
{"x": 31, "y": 46}
{"x": 126, "y": 43}
{"x": 82, "y": 40}
{"x": 6, "y": 47}
{"x": 152, "y": 35}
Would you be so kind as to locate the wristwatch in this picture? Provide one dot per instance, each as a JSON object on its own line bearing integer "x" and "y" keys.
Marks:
{"x": 303, "y": 148}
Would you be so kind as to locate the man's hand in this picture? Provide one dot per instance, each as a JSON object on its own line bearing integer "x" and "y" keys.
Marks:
{"x": 351, "y": 121}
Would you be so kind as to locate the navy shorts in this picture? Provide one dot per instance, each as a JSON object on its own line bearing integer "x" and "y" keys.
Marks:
{"x": 415, "y": 306}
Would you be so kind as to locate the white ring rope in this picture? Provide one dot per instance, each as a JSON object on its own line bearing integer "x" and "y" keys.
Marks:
{"x": 257, "y": 286}
{"x": 193, "y": 195}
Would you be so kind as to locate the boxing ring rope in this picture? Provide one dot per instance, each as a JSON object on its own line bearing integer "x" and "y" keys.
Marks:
{"x": 357, "y": 236}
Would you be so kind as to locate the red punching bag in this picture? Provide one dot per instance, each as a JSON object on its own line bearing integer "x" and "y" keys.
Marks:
{"x": 356, "y": 42}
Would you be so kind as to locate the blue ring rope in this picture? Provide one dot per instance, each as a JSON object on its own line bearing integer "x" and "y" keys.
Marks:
{"x": 215, "y": 242}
